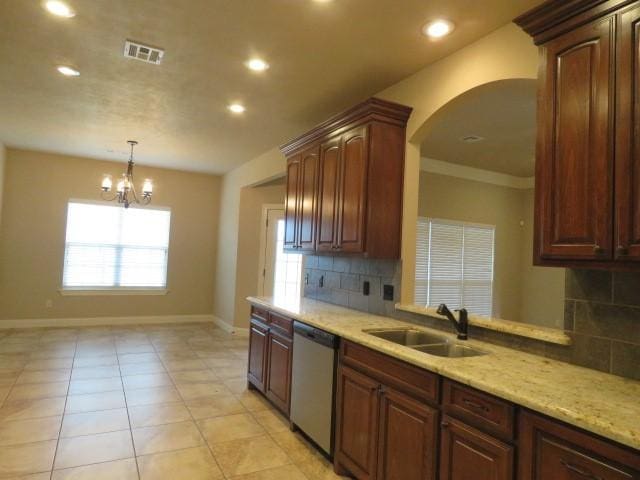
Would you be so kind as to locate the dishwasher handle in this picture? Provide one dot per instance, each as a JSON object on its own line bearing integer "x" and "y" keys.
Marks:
{"x": 315, "y": 335}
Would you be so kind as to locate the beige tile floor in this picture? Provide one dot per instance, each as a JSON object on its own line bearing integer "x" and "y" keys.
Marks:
{"x": 140, "y": 402}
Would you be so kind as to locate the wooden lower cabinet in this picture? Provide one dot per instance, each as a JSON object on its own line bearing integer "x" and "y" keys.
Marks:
{"x": 552, "y": 451}
{"x": 382, "y": 433}
{"x": 357, "y": 423}
{"x": 469, "y": 454}
{"x": 408, "y": 438}
{"x": 256, "y": 373}
{"x": 270, "y": 356}
{"x": 278, "y": 385}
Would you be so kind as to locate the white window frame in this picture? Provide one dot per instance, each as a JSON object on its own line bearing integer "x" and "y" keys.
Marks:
{"x": 111, "y": 290}
{"x": 460, "y": 224}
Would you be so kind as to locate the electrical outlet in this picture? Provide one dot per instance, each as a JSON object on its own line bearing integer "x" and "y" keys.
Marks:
{"x": 48, "y": 303}
{"x": 366, "y": 287}
{"x": 387, "y": 292}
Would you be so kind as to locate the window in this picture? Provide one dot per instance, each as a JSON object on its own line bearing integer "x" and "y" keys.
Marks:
{"x": 109, "y": 246}
{"x": 288, "y": 269}
{"x": 454, "y": 265}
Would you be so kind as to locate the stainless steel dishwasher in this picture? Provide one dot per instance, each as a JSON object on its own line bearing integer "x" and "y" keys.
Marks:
{"x": 313, "y": 384}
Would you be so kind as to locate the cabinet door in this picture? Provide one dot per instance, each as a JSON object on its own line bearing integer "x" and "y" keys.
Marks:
{"x": 278, "y": 388}
{"x": 468, "y": 454}
{"x": 407, "y": 448}
{"x": 574, "y": 168}
{"x": 291, "y": 204}
{"x": 307, "y": 207}
{"x": 257, "y": 354}
{"x": 549, "y": 450}
{"x": 328, "y": 195}
{"x": 357, "y": 423}
{"x": 353, "y": 191}
{"x": 627, "y": 241}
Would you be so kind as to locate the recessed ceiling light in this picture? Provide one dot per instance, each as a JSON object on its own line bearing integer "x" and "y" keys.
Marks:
{"x": 68, "y": 71}
{"x": 236, "y": 108}
{"x": 257, "y": 65}
{"x": 59, "y": 8}
{"x": 323, "y": 1}
{"x": 438, "y": 28}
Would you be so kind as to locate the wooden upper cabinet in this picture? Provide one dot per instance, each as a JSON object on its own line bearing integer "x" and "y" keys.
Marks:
{"x": 627, "y": 212}
{"x": 588, "y": 158}
{"x": 328, "y": 195}
{"x": 574, "y": 171}
{"x": 360, "y": 170}
{"x": 309, "y": 166}
{"x": 353, "y": 190}
{"x": 291, "y": 203}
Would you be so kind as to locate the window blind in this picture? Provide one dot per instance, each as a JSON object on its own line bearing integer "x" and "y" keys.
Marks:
{"x": 454, "y": 265}
{"x": 110, "y": 246}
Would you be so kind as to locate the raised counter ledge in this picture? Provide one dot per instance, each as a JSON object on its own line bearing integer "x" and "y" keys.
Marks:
{"x": 600, "y": 403}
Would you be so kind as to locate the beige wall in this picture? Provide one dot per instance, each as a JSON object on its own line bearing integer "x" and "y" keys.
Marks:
{"x": 464, "y": 200}
{"x": 266, "y": 167}
{"x": 37, "y": 190}
{"x": 542, "y": 287}
{"x": 506, "y": 53}
{"x": 3, "y": 153}
{"x": 521, "y": 292}
{"x": 251, "y": 201}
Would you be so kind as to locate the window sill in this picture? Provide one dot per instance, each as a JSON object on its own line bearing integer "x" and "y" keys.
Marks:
{"x": 535, "y": 332}
{"x": 75, "y": 292}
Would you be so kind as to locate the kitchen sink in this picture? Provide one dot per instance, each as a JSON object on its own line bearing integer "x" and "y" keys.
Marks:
{"x": 408, "y": 337}
{"x": 450, "y": 350}
{"x": 425, "y": 342}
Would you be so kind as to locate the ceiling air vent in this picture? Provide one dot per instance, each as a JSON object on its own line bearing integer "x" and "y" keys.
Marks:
{"x": 472, "y": 139}
{"x": 144, "y": 53}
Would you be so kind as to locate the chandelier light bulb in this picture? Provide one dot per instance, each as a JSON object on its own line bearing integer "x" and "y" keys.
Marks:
{"x": 147, "y": 187}
{"x": 107, "y": 183}
{"x": 120, "y": 187}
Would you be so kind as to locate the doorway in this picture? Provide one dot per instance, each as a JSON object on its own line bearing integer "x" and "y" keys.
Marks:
{"x": 281, "y": 272}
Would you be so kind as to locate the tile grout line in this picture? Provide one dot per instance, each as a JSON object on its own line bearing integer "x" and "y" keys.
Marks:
{"x": 126, "y": 406}
{"x": 195, "y": 422}
{"x": 64, "y": 408}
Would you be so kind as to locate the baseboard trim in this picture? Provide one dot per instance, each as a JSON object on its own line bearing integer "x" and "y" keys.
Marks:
{"x": 227, "y": 327}
{"x": 97, "y": 321}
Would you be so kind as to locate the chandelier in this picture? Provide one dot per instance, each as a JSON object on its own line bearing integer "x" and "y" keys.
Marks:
{"x": 125, "y": 191}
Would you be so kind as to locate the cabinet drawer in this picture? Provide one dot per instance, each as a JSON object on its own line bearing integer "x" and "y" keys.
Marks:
{"x": 479, "y": 409}
{"x": 392, "y": 372}
{"x": 259, "y": 313}
{"x": 284, "y": 324}
{"x": 550, "y": 450}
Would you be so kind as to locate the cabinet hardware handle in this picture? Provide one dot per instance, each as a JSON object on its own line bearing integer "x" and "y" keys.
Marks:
{"x": 475, "y": 405}
{"x": 579, "y": 471}
{"x": 445, "y": 424}
{"x": 598, "y": 250}
{"x": 621, "y": 250}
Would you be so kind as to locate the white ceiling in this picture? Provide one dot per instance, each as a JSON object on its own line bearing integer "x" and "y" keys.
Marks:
{"x": 324, "y": 58}
{"x": 503, "y": 113}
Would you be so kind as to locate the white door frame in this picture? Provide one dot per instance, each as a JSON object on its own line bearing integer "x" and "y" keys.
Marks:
{"x": 263, "y": 242}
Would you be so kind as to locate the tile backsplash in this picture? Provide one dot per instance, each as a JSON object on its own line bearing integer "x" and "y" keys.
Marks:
{"x": 602, "y": 310}
{"x": 340, "y": 280}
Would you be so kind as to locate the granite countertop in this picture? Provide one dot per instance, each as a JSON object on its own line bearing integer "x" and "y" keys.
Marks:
{"x": 598, "y": 402}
